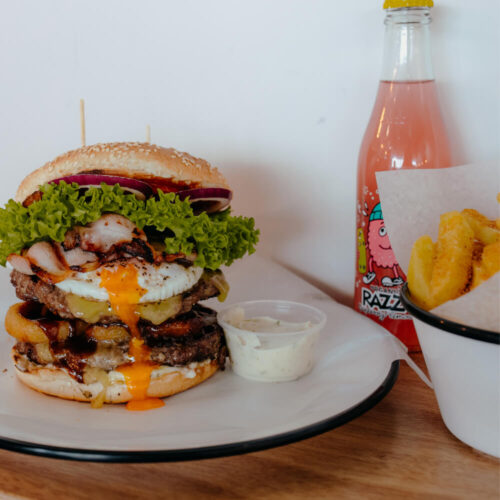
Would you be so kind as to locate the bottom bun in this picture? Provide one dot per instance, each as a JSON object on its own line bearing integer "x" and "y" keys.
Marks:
{"x": 57, "y": 382}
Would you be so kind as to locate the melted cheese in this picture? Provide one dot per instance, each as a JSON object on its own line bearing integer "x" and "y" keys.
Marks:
{"x": 121, "y": 283}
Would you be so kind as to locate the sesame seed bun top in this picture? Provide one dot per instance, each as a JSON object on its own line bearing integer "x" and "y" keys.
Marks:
{"x": 127, "y": 159}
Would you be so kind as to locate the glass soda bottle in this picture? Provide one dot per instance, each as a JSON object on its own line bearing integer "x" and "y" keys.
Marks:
{"x": 406, "y": 130}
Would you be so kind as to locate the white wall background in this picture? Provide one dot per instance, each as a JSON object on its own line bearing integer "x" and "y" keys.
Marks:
{"x": 277, "y": 93}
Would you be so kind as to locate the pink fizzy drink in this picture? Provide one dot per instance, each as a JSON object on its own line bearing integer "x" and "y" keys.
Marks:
{"x": 406, "y": 130}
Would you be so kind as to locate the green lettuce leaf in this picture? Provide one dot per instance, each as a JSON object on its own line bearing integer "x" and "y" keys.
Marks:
{"x": 218, "y": 239}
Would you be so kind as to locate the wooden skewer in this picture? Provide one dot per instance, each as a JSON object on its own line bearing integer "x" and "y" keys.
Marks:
{"x": 82, "y": 121}
{"x": 148, "y": 134}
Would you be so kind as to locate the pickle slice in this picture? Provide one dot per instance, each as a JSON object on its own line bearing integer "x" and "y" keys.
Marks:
{"x": 219, "y": 281}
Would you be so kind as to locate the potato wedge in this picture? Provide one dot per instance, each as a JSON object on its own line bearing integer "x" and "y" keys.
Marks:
{"x": 453, "y": 259}
{"x": 485, "y": 230}
{"x": 491, "y": 258}
{"x": 420, "y": 271}
{"x": 487, "y": 266}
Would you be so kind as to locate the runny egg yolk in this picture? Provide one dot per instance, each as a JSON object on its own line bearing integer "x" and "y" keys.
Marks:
{"x": 121, "y": 283}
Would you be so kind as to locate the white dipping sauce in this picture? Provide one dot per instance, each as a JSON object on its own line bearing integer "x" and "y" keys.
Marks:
{"x": 267, "y": 349}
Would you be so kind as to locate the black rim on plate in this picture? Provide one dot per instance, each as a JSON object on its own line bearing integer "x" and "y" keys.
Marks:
{"x": 210, "y": 451}
{"x": 445, "y": 324}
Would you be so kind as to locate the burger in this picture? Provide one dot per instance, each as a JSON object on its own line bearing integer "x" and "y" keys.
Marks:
{"x": 112, "y": 247}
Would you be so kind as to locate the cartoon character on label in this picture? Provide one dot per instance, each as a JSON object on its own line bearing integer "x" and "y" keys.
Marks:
{"x": 380, "y": 250}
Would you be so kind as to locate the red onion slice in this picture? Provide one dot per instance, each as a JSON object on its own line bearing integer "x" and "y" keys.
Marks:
{"x": 209, "y": 200}
{"x": 141, "y": 189}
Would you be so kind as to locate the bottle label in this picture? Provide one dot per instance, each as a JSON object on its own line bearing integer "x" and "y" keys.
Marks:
{"x": 379, "y": 276}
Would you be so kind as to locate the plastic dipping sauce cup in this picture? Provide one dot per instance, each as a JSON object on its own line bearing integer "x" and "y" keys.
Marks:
{"x": 271, "y": 340}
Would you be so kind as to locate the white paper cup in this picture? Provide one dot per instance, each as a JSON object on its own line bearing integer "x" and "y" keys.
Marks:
{"x": 464, "y": 365}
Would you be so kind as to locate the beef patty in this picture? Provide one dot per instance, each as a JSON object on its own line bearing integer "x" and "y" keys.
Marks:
{"x": 32, "y": 288}
{"x": 201, "y": 339}
{"x": 193, "y": 336}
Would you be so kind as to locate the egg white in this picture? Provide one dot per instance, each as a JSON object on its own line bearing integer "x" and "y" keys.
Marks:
{"x": 161, "y": 282}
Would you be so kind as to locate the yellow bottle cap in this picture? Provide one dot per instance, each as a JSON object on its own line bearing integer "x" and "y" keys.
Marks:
{"x": 398, "y": 4}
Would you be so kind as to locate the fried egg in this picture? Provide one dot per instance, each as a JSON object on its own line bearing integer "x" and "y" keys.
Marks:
{"x": 159, "y": 281}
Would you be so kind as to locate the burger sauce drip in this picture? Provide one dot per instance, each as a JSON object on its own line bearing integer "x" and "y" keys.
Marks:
{"x": 124, "y": 292}
{"x": 165, "y": 184}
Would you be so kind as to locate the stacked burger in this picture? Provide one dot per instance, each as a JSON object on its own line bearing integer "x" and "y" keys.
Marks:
{"x": 112, "y": 247}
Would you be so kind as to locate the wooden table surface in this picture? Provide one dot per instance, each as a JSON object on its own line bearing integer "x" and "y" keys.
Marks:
{"x": 399, "y": 449}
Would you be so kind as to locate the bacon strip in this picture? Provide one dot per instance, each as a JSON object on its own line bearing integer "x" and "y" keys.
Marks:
{"x": 100, "y": 236}
{"x": 46, "y": 262}
{"x": 19, "y": 263}
{"x": 76, "y": 256}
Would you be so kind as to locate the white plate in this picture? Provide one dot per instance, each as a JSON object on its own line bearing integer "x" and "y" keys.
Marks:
{"x": 356, "y": 367}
